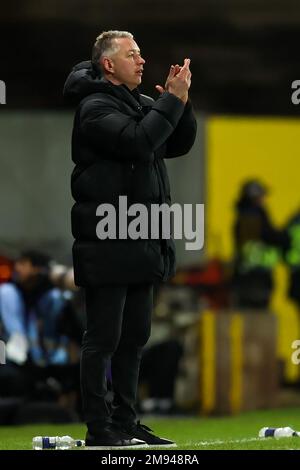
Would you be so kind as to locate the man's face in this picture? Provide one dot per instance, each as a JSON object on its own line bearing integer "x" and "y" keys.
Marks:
{"x": 125, "y": 67}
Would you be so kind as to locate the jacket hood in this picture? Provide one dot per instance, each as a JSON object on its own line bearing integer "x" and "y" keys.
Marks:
{"x": 83, "y": 80}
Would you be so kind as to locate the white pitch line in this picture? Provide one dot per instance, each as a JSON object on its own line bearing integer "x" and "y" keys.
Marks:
{"x": 230, "y": 441}
{"x": 220, "y": 442}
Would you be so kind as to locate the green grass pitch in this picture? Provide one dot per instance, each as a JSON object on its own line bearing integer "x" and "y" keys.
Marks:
{"x": 200, "y": 433}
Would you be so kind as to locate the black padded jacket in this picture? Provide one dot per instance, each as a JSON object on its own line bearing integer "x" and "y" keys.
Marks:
{"x": 119, "y": 142}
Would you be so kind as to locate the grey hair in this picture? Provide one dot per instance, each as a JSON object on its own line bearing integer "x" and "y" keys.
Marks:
{"x": 105, "y": 45}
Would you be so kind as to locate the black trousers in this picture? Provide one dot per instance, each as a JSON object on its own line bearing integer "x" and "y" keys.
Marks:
{"x": 118, "y": 326}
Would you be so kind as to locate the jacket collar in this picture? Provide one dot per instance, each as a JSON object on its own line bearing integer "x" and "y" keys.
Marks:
{"x": 132, "y": 98}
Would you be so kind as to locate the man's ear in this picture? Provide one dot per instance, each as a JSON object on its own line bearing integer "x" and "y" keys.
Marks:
{"x": 107, "y": 65}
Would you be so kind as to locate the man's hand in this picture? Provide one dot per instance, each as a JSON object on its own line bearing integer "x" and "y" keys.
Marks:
{"x": 178, "y": 81}
{"x": 174, "y": 69}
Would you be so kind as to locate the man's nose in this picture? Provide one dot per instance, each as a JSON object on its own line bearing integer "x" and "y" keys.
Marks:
{"x": 142, "y": 61}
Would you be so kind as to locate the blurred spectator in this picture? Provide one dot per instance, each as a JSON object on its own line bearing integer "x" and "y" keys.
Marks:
{"x": 292, "y": 257}
{"x": 258, "y": 247}
{"x": 30, "y": 310}
{"x": 63, "y": 277}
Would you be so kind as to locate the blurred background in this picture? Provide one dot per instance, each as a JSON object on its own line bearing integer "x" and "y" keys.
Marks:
{"x": 224, "y": 327}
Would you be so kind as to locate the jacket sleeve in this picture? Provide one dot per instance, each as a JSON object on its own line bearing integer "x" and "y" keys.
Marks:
{"x": 183, "y": 137}
{"x": 123, "y": 136}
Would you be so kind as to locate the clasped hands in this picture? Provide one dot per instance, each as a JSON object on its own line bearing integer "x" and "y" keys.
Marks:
{"x": 178, "y": 81}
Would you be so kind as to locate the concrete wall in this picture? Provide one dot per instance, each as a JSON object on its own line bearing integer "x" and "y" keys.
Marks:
{"x": 34, "y": 181}
{"x": 187, "y": 179}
